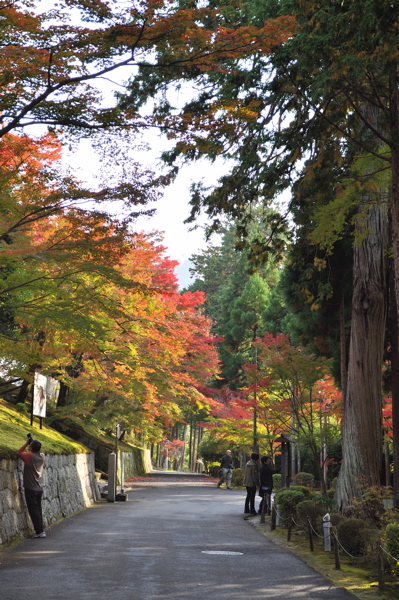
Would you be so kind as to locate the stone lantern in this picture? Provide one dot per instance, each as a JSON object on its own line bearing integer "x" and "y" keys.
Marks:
{"x": 285, "y": 442}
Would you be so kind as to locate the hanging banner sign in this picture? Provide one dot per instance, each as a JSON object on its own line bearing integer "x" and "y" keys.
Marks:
{"x": 39, "y": 395}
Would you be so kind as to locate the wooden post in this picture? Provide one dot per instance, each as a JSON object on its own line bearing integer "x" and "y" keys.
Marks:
{"x": 336, "y": 551}
{"x": 289, "y": 529}
{"x": 262, "y": 515}
{"x": 311, "y": 545}
{"x": 381, "y": 576}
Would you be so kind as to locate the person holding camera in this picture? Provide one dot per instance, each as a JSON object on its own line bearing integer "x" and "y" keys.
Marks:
{"x": 33, "y": 486}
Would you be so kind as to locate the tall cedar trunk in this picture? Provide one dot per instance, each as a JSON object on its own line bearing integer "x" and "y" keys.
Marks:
{"x": 342, "y": 338}
{"x": 395, "y": 393}
{"x": 394, "y": 143}
{"x": 362, "y": 415}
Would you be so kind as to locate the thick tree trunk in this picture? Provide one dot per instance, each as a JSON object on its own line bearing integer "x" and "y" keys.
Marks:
{"x": 362, "y": 415}
{"x": 342, "y": 336}
{"x": 24, "y": 391}
{"x": 395, "y": 393}
{"x": 183, "y": 452}
{"x": 195, "y": 445}
{"x": 190, "y": 447}
{"x": 63, "y": 395}
{"x": 394, "y": 144}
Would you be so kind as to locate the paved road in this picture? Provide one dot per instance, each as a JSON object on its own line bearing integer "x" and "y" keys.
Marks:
{"x": 174, "y": 539}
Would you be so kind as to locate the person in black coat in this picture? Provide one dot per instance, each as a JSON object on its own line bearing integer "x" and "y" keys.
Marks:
{"x": 266, "y": 481}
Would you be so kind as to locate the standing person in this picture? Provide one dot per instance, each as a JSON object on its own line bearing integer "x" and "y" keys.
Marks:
{"x": 251, "y": 482}
{"x": 33, "y": 487}
{"x": 266, "y": 481}
{"x": 226, "y": 466}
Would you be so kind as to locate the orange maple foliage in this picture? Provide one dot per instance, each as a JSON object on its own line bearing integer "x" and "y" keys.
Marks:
{"x": 93, "y": 303}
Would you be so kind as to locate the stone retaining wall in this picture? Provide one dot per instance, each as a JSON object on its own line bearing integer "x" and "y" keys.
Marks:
{"x": 69, "y": 486}
{"x": 134, "y": 463}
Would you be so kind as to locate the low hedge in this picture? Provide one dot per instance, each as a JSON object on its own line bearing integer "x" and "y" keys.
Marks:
{"x": 355, "y": 535}
{"x": 238, "y": 477}
{"x": 287, "y": 500}
{"x": 308, "y": 510}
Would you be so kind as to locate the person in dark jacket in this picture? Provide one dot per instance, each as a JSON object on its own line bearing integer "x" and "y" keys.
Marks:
{"x": 251, "y": 482}
{"x": 266, "y": 481}
{"x": 226, "y": 468}
{"x": 33, "y": 486}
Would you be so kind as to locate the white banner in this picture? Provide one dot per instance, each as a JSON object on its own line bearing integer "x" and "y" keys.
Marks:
{"x": 39, "y": 395}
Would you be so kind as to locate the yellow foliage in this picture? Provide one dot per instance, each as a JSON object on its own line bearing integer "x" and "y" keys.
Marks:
{"x": 320, "y": 263}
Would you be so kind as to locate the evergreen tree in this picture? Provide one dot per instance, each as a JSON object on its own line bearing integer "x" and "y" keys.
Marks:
{"x": 237, "y": 301}
{"x": 325, "y": 98}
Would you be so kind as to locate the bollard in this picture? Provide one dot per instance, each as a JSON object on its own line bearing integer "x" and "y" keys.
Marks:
{"x": 278, "y": 517}
{"x": 111, "y": 476}
{"x": 327, "y": 532}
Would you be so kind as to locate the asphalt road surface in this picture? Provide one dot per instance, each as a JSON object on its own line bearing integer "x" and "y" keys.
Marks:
{"x": 175, "y": 538}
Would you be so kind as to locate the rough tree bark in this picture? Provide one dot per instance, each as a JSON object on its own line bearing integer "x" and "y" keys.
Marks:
{"x": 395, "y": 392}
{"x": 342, "y": 336}
{"x": 362, "y": 416}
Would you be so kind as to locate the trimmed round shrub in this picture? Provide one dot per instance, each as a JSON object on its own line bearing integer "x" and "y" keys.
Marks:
{"x": 307, "y": 492}
{"x": 392, "y": 545}
{"x": 354, "y": 535}
{"x": 306, "y": 479}
{"x": 336, "y": 519}
{"x": 277, "y": 481}
{"x": 238, "y": 477}
{"x": 287, "y": 500}
{"x": 308, "y": 510}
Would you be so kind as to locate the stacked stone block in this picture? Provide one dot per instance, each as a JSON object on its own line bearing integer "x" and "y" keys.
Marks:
{"x": 69, "y": 486}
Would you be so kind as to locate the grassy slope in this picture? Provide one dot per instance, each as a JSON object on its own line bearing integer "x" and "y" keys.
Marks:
{"x": 15, "y": 425}
{"x": 354, "y": 576}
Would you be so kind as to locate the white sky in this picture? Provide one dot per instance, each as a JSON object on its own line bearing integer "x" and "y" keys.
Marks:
{"x": 174, "y": 208}
{"x": 180, "y": 242}
{"x": 171, "y": 211}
